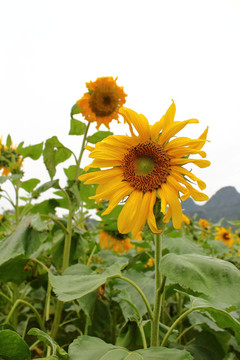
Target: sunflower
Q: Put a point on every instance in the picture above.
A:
(224, 235)
(118, 243)
(10, 161)
(204, 224)
(147, 169)
(102, 102)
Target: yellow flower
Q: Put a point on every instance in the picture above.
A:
(224, 235)
(149, 263)
(118, 244)
(102, 102)
(205, 225)
(146, 168)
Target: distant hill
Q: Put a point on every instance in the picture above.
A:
(225, 203)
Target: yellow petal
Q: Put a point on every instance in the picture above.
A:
(173, 129)
(118, 196)
(163, 201)
(183, 171)
(106, 191)
(142, 214)
(172, 199)
(200, 163)
(183, 151)
(202, 137)
(151, 218)
(103, 176)
(127, 215)
(139, 121)
(100, 163)
(184, 141)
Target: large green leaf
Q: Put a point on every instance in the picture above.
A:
(98, 136)
(181, 245)
(70, 287)
(12, 346)
(32, 151)
(54, 153)
(19, 246)
(30, 184)
(77, 127)
(46, 186)
(131, 303)
(89, 348)
(219, 280)
(223, 319)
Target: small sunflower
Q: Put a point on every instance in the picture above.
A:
(102, 102)
(10, 160)
(204, 224)
(118, 243)
(224, 235)
(147, 168)
(150, 263)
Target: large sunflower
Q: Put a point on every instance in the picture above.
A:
(102, 102)
(147, 168)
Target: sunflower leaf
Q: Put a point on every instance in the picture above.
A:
(217, 279)
(88, 348)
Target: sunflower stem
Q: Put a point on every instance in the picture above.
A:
(159, 288)
(68, 239)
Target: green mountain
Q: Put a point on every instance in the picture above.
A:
(225, 203)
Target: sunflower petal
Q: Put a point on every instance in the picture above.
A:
(139, 121)
(117, 197)
(151, 218)
(172, 199)
(142, 214)
(127, 215)
(173, 129)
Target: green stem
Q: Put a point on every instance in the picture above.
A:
(140, 326)
(139, 291)
(56, 221)
(57, 319)
(81, 151)
(185, 331)
(178, 320)
(67, 242)
(159, 287)
(20, 301)
(17, 204)
(5, 296)
(91, 255)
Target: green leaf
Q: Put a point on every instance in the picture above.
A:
(89, 348)
(98, 136)
(234, 222)
(12, 346)
(46, 186)
(223, 319)
(9, 141)
(3, 179)
(30, 184)
(70, 172)
(42, 336)
(77, 127)
(70, 287)
(131, 303)
(75, 110)
(183, 245)
(46, 207)
(206, 347)
(19, 246)
(32, 151)
(217, 279)
(53, 154)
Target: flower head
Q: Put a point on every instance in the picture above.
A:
(147, 169)
(10, 160)
(102, 102)
(117, 242)
(224, 235)
(204, 224)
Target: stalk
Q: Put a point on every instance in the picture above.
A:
(159, 288)
(67, 242)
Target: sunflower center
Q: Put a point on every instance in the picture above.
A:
(146, 166)
(226, 236)
(104, 100)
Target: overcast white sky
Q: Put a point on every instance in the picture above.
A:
(160, 50)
